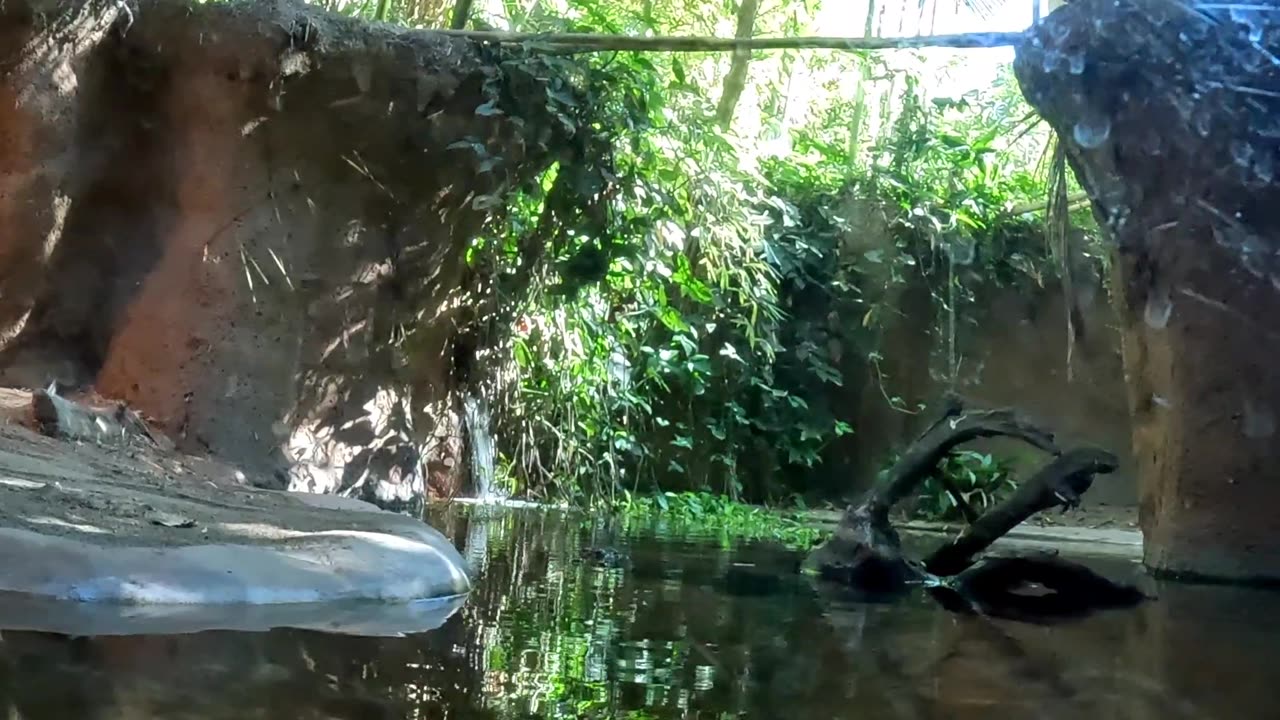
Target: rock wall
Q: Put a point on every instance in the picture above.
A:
(1169, 113)
(247, 221)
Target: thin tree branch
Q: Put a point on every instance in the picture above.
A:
(736, 81)
(596, 42)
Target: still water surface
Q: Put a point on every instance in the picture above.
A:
(672, 628)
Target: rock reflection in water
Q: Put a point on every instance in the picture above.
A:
(682, 629)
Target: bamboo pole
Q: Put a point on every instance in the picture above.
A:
(1035, 206)
(601, 42)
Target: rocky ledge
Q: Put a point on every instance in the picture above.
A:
(103, 537)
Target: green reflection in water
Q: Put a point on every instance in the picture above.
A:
(669, 627)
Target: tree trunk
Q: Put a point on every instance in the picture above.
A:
(736, 80)
(860, 98)
(461, 15)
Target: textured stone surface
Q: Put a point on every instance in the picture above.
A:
(1171, 119)
(134, 538)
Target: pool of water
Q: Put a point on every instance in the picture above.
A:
(671, 627)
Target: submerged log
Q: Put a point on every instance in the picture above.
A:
(1033, 588)
(865, 552)
(1060, 483)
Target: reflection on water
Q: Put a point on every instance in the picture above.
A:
(671, 629)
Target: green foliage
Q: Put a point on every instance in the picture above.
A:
(981, 479)
(649, 347)
(703, 339)
(702, 514)
(681, 308)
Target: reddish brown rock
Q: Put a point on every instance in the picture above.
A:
(245, 220)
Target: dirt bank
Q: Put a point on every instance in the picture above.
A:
(248, 221)
(140, 495)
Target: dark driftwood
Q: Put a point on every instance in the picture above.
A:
(1058, 484)
(865, 552)
(957, 426)
(57, 416)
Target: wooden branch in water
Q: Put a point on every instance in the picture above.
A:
(864, 553)
(603, 42)
(1036, 206)
(956, 426)
(1058, 484)
(865, 550)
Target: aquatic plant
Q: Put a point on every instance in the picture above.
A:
(705, 514)
(966, 482)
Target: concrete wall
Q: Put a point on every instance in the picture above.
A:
(1014, 353)
(1183, 175)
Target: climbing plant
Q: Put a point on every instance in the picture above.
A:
(702, 341)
